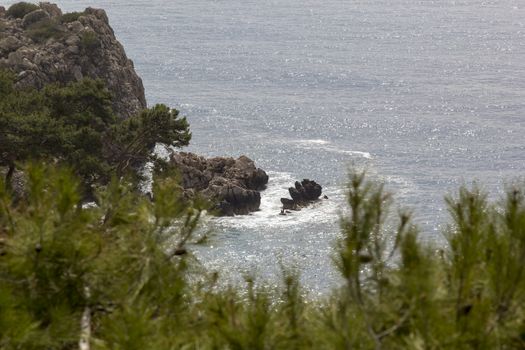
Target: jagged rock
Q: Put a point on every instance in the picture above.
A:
(312, 190)
(233, 184)
(288, 204)
(303, 193)
(18, 183)
(295, 194)
(2, 12)
(52, 9)
(245, 171)
(85, 47)
(9, 44)
(235, 200)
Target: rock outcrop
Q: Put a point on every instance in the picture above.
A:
(233, 184)
(46, 46)
(303, 194)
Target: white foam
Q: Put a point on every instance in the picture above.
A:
(268, 215)
(162, 151)
(366, 155)
(318, 144)
(312, 142)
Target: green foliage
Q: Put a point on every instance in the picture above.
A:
(124, 263)
(20, 9)
(58, 123)
(7, 79)
(60, 259)
(75, 125)
(71, 17)
(467, 297)
(45, 29)
(89, 41)
(133, 139)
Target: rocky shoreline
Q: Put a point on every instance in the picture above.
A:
(42, 45)
(233, 184)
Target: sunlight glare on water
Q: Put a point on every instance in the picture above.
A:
(425, 94)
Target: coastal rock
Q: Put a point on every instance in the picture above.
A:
(231, 198)
(48, 47)
(303, 193)
(10, 44)
(233, 184)
(52, 9)
(288, 204)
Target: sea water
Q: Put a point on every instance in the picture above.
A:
(426, 95)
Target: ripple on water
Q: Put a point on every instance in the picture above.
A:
(261, 241)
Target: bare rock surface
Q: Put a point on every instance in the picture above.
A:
(303, 193)
(46, 46)
(233, 184)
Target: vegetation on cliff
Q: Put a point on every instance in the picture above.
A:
(20, 9)
(42, 46)
(75, 125)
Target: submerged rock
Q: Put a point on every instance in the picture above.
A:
(303, 193)
(46, 46)
(233, 184)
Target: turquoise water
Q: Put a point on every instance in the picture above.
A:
(426, 95)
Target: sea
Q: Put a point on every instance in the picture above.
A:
(425, 95)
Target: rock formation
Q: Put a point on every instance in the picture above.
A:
(304, 193)
(46, 46)
(233, 184)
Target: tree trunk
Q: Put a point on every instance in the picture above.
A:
(85, 326)
(9, 176)
(84, 342)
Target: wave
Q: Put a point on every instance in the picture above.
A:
(316, 144)
(325, 210)
(259, 243)
(312, 142)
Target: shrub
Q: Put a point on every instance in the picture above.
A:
(89, 41)
(71, 17)
(45, 29)
(19, 10)
(7, 79)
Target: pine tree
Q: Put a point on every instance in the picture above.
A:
(75, 125)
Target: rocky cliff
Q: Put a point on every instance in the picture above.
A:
(46, 46)
(42, 45)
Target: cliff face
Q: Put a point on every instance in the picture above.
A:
(42, 45)
(46, 46)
